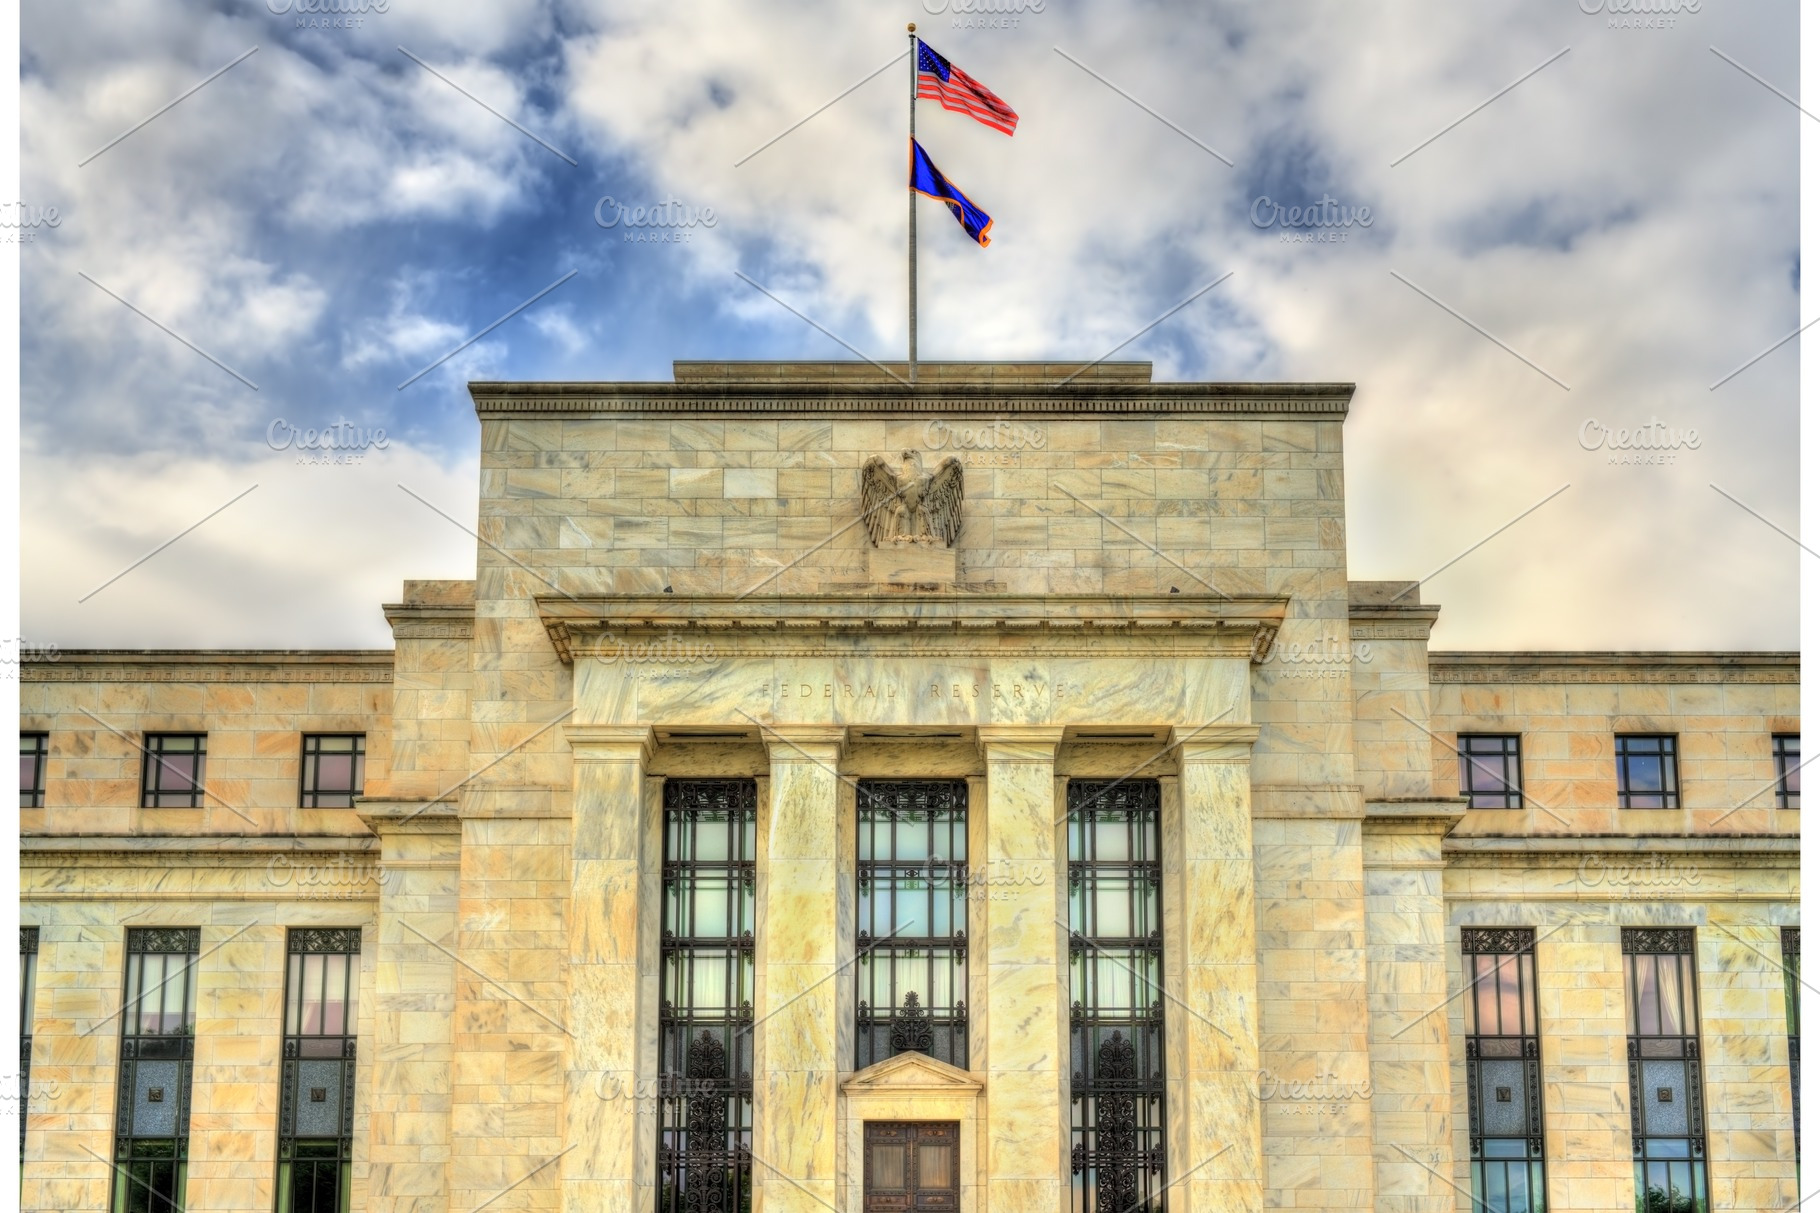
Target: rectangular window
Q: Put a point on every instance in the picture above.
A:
(1787, 749)
(1503, 1070)
(172, 777)
(334, 769)
(157, 1051)
(34, 752)
(1791, 1006)
(1667, 1106)
(28, 994)
(704, 1098)
(1115, 991)
(1647, 777)
(1491, 770)
(912, 967)
(316, 1090)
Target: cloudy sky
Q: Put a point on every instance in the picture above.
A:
(1587, 251)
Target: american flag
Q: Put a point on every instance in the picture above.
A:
(939, 80)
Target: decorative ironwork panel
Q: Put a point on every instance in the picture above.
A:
(1658, 941)
(1497, 941)
(324, 939)
(1667, 1101)
(143, 940)
(1115, 972)
(157, 1058)
(911, 971)
(704, 1096)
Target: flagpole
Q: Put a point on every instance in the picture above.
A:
(912, 194)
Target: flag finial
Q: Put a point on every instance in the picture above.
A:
(913, 27)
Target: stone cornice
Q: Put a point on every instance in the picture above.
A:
(415, 621)
(1057, 390)
(208, 850)
(1778, 850)
(929, 625)
(1568, 667)
(212, 665)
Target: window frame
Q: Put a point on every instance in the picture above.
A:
(1511, 760)
(1785, 753)
(303, 1048)
(1658, 1150)
(155, 796)
(1498, 1047)
(935, 1029)
(310, 764)
(1667, 751)
(40, 754)
(704, 1082)
(28, 989)
(1118, 1122)
(161, 1046)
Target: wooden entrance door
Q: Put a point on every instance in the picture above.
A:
(912, 1166)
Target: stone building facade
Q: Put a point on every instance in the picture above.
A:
(705, 852)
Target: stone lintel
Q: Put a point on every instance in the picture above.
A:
(817, 743)
(1216, 742)
(611, 742)
(438, 816)
(1020, 743)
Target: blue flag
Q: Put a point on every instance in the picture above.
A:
(925, 178)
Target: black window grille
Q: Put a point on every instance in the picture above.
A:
(172, 775)
(1667, 1105)
(1647, 777)
(1115, 979)
(334, 769)
(316, 1089)
(34, 751)
(1503, 1070)
(157, 1053)
(704, 1121)
(1491, 770)
(28, 996)
(1791, 1008)
(912, 964)
(1787, 749)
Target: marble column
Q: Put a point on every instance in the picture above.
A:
(795, 1126)
(600, 1136)
(1218, 1017)
(414, 1005)
(1024, 948)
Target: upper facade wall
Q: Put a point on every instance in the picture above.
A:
(98, 708)
(1106, 486)
(743, 479)
(1567, 709)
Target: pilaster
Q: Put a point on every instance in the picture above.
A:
(600, 1136)
(1218, 1013)
(796, 1139)
(1024, 948)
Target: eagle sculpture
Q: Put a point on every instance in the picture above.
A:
(917, 508)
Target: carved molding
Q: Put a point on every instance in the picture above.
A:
(1063, 397)
(253, 669)
(1165, 625)
(1703, 668)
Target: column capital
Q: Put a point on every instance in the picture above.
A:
(1031, 743)
(817, 743)
(1216, 742)
(611, 742)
